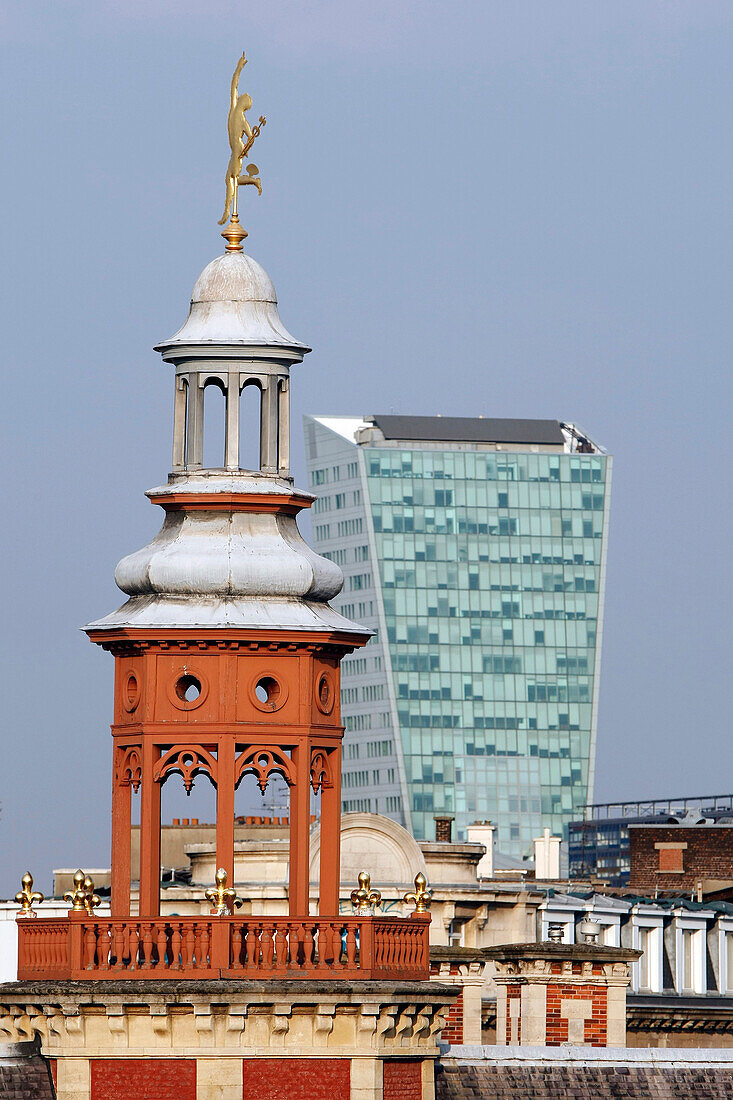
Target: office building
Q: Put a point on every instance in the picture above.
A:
(476, 549)
(599, 845)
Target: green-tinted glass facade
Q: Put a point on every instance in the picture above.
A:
(491, 570)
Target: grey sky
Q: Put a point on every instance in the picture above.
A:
(516, 208)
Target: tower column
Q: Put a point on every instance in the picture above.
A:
(300, 832)
(195, 427)
(149, 837)
(231, 446)
(179, 424)
(268, 426)
(121, 830)
(330, 857)
(225, 779)
(283, 425)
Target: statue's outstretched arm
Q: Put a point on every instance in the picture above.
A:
(235, 79)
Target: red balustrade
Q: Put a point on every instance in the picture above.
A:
(82, 947)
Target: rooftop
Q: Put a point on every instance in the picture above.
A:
(479, 430)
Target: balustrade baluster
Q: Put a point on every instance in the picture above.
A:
(90, 945)
(188, 947)
(161, 942)
(203, 960)
(253, 948)
(118, 946)
(147, 947)
(351, 946)
(132, 943)
(308, 946)
(281, 945)
(268, 947)
(176, 945)
(235, 961)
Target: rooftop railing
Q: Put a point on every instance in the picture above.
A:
(360, 947)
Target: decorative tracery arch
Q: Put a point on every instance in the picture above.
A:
(189, 762)
(321, 775)
(130, 769)
(262, 762)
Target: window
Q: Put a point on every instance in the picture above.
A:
(375, 777)
(393, 804)
(359, 581)
(349, 695)
(335, 471)
(349, 527)
(352, 752)
(319, 477)
(372, 692)
(323, 532)
(645, 936)
(361, 553)
(688, 977)
(323, 504)
(357, 496)
(339, 500)
(352, 470)
(354, 667)
(337, 556)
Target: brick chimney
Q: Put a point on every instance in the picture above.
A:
(443, 829)
(554, 994)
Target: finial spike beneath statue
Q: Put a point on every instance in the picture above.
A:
(242, 137)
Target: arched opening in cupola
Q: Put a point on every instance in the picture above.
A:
(250, 406)
(214, 424)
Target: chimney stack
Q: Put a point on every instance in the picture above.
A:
(443, 829)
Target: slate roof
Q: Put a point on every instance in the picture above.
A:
(24, 1074)
(492, 1082)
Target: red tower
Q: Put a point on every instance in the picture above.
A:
(227, 653)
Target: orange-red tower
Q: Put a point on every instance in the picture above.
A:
(227, 652)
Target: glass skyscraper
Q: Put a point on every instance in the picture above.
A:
(475, 549)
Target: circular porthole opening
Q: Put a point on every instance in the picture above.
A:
(131, 692)
(325, 694)
(188, 688)
(268, 692)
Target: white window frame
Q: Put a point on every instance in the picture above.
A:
(655, 925)
(698, 927)
(725, 943)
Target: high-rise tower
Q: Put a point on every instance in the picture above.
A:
(476, 548)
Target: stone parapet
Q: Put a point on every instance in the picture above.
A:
(86, 1027)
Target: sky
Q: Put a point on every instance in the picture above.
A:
(512, 207)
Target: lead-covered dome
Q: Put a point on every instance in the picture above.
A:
(233, 302)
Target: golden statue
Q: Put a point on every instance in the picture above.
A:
(238, 127)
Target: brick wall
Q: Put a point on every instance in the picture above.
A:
(143, 1079)
(513, 997)
(402, 1080)
(453, 1030)
(707, 853)
(591, 1002)
(297, 1079)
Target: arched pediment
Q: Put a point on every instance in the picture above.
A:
(373, 843)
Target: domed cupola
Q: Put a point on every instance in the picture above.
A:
(230, 552)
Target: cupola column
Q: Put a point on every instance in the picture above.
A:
(231, 445)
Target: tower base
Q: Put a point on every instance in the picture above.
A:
(231, 1040)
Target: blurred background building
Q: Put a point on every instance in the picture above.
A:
(599, 842)
(476, 548)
